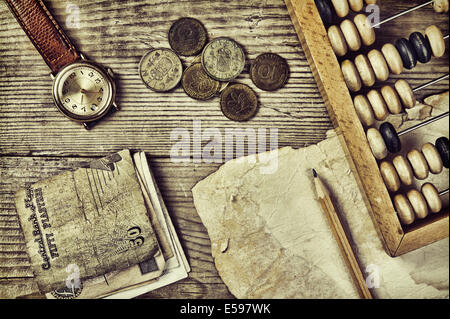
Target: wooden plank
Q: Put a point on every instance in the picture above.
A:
(31, 125)
(37, 142)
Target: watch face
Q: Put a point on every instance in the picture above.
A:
(83, 91)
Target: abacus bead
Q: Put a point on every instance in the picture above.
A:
(406, 93)
(433, 158)
(337, 40)
(351, 35)
(418, 203)
(436, 40)
(421, 46)
(365, 70)
(356, 5)
(364, 110)
(365, 29)
(351, 75)
(404, 209)
(404, 169)
(377, 144)
(378, 105)
(379, 65)
(341, 7)
(418, 164)
(390, 137)
(442, 145)
(325, 11)
(393, 58)
(432, 197)
(390, 176)
(392, 99)
(440, 6)
(407, 53)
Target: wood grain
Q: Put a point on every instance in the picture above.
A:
(36, 141)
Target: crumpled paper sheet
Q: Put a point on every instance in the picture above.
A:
(270, 238)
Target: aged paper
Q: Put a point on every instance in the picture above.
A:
(270, 238)
(167, 266)
(84, 224)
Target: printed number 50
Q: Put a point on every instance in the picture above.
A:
(135, 240)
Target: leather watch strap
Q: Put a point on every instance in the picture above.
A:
(44, 32)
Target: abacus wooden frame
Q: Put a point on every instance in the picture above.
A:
(327, 73)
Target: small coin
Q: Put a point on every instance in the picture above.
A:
(187, 36)
(223, 59)
(161, 70)
(269, 72)
(197, 84)
(238, 102)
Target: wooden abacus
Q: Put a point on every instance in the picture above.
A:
(394, 214)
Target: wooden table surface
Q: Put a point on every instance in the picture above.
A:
(36, 141)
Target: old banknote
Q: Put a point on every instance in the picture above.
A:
(87, 223)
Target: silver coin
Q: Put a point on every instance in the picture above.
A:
(161, 70)
(223, 59)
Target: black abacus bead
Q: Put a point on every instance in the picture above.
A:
(421, 46)
(390, 137)
(407, 53)
(325, 10)
(442, 147)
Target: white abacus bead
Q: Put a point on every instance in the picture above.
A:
(379, 65)
(436, 40)
(356, 5)
(351, 35)
(341, 7)
(365, 29)
(418, 164)
(418, 203)
(440, 6)
(377, 144)
(404, 209)
(351, 76)
(406, 93)
(365, 70)
(379, 106)
(432, 197)
(393, 58)
(404, 170)
(433, 158)
(364, 110)
(392, 99)
(390, 176)
(337, 40)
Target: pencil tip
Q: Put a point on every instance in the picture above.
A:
(314, 173)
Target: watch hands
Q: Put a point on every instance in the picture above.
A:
(83, 91)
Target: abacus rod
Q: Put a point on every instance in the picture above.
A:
(402, 13)
(430, 83)
(433, 119)
(443, 192)
(446, 37)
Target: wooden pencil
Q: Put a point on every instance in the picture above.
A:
(341, 237)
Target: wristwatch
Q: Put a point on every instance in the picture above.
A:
(83, 91)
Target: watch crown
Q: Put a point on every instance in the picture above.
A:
(110, 72)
